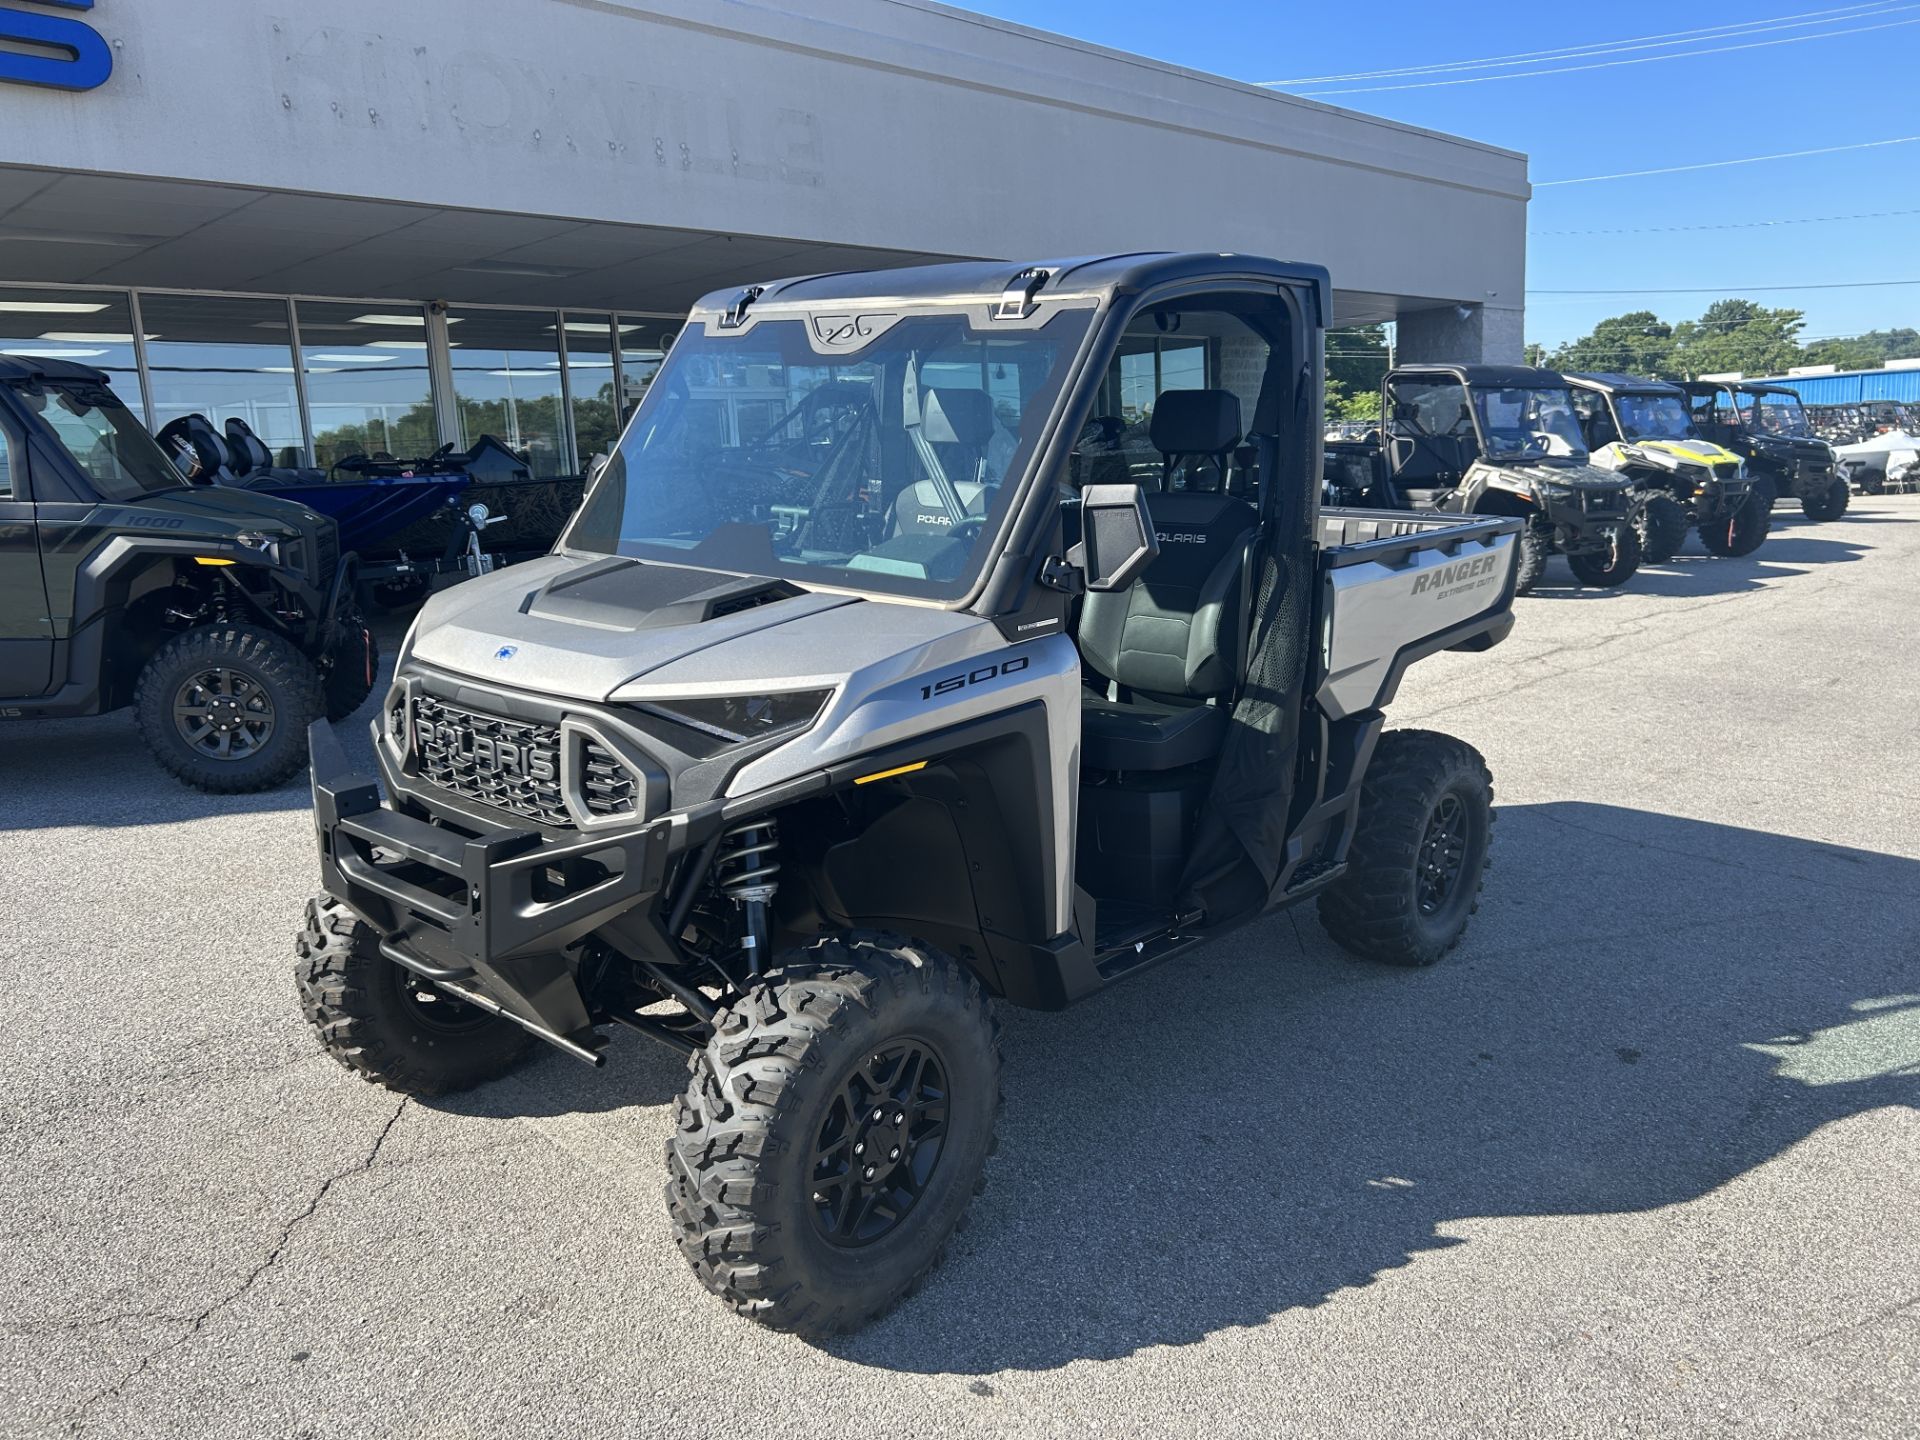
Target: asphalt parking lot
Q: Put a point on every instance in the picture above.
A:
(1641, 1158)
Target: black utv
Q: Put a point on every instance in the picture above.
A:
(223, 616)
(1495, 440)
(1768, 426)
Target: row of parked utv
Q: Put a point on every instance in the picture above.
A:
(1607, 470)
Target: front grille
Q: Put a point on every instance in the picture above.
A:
(512, 765)
(1727, 470)
(1603, 503)
(607, 788)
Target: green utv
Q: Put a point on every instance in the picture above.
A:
(796, 754)
(1768, 426)
(1495, 440)
(1644, 429)
(225, 618)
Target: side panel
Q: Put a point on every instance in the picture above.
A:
(26, 629)
(1387, 598)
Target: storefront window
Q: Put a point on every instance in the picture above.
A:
(368, 387)
(643, 345)
(596, 416)
(506, 379)
(225, 358)
(88, 327)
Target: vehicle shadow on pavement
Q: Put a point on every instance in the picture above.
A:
(1700, 575)
(1268, 1123)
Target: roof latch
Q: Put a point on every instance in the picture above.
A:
(1016, 301)
(737, 311)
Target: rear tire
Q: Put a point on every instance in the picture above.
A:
(1419, 854)
(1662, 527)
(376, 1019)
(1609, 569)
(1829, 504)
(237, 687)
(772, 1207)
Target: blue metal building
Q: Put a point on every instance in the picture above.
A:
(1854, 387)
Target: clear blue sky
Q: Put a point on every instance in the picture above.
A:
(1835, 90)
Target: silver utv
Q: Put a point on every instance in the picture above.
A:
(932, 638)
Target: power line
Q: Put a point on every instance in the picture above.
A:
(1736, 289)
(1722, 164)
(1612, 64)
(1733, 225)
(1831, 15)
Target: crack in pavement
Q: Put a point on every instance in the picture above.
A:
(76, 1419)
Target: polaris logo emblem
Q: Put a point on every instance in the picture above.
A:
(506, 652)
(487, 755)
(1444, 577)
(1180, 537)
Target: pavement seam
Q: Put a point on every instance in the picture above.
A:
(76, 1419)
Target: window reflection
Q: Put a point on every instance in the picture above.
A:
(368, 387)
(643, 345)
(590, 372)
(225, 358)
(506, 380)
(88, 327)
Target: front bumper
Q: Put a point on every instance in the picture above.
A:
(1585, 519)
(488, 908)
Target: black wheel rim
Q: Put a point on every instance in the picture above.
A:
(1443, 855)
(223, 714)
(433, 1009)
(880, 1143)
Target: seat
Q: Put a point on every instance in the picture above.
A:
(252, 463)
(959, 425)
(1194, 428)
(1173, 643)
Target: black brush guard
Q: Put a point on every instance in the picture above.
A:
(485, 915)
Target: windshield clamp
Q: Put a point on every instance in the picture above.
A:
(1064, 576)
(1016, 301)
(737, 311)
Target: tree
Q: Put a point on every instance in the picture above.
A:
(1637, 343)
(1866, 352)
(1738, 335)
(1357, 359)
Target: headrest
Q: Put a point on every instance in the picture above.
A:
(1195, 422)
(956, 417)
(249, 451)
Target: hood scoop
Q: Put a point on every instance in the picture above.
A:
(623, 594)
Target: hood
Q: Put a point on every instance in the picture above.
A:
(1800, 447)
(583, 628)
(1681, 453)
(226, 510)
(1579, 475)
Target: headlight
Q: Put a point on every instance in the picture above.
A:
(1556, 492)
(737, 718)
(265, 546)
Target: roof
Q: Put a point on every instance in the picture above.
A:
(1615, 383)
(35, 367)
(1750, 387)
(1505, 376)
(975, 280)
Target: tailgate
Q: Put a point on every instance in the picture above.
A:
(1396, 587)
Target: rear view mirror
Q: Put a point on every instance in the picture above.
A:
(1116, 536)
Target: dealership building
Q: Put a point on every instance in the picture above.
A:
(368, 226)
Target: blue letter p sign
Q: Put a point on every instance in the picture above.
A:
(52, 50)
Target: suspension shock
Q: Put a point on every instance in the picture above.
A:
(747, 873)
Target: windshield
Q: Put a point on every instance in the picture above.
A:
(885, 468)
(1775, 414)
(1654, 417)
(1528, 421)
(105, 441)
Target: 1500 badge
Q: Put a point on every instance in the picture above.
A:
(980, 676)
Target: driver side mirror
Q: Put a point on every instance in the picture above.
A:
(1116, 537)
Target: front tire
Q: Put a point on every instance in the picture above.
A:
(1662, 528)
(388, 1027)
(1609, 569)
(1743, 531)
(1535, 547)
(225, 708)
(834, 1131)
(1419, 854)
(1829, 504)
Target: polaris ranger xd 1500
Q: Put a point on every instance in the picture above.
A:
(224, 617)
(1768, 426)
(793, 754)
(1496, 440)
(1643, 429)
